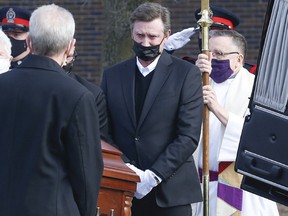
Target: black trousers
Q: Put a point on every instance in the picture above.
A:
(147, 207)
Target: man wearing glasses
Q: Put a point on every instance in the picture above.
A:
(227, 98)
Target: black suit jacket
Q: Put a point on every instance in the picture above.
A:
(169, 126)
(50, 153)
(100, 103)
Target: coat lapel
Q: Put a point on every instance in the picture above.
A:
(160, 75)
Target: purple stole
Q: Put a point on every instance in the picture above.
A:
(229, 194)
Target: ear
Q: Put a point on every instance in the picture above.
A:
(168, 33)
(166, 36)
(71, 47)
(28, 42)
(240, 59)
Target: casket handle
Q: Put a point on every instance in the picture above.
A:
(274, 172)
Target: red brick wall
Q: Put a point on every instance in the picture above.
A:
(89, 20)
(90, 24)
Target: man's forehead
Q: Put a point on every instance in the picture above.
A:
(218, 40)
(153, 27)
(156, 24)
(221, 38)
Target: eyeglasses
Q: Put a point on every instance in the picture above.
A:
(219, 54)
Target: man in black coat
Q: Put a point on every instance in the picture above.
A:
(155, 106)
(50, 152)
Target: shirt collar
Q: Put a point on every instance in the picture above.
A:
(146, 70)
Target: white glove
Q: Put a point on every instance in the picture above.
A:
(147, 181)
(179, 39)
(139, 172)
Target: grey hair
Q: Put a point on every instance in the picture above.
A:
(6, 43)
(51, 29)
(149, 11)
(238, 39)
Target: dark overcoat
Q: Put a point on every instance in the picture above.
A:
(50, 153)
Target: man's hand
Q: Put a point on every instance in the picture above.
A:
(147, 181)
(210, 99)
(203, 63)
(179, 39)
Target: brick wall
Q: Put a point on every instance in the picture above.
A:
(89, 20)
(90, 25)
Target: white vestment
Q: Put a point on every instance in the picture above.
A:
(233, 95)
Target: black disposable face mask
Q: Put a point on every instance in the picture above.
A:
(68, 67)
(18, 46)
(146, 53)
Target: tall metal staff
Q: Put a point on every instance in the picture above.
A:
(205, 21)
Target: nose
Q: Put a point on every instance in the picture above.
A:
(145, 42)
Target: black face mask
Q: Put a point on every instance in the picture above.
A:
(146, 53)
(68, 67)
(18, 47)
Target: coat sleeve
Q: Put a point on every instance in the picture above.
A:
(103, 117)
(84, 154)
